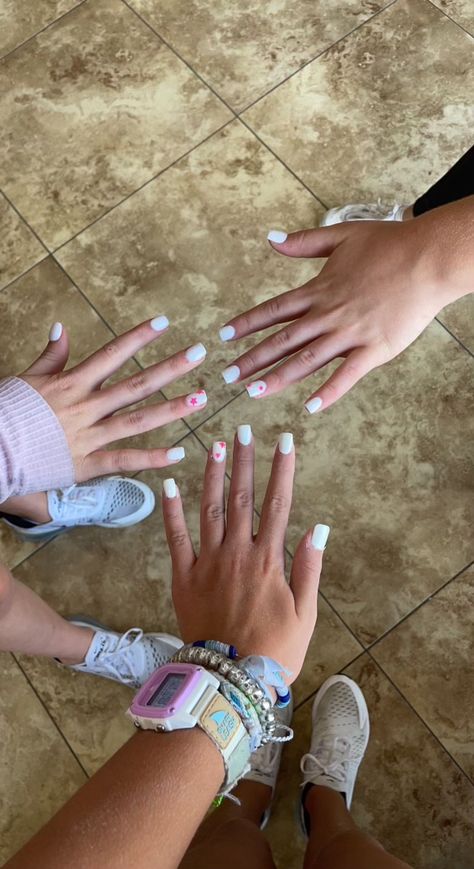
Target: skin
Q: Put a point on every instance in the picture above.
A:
(382, 284)
(88, 410)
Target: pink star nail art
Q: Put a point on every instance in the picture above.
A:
(197, 399)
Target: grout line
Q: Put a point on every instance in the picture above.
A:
(42, 30)
(23, 274)
(23, 219)
(454, 336)
(50, 716)
(317, 56)
(340, 671)
(425, 600)
(420, 718)
(450, 18)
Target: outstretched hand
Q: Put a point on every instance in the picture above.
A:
(235, 589)
(87, 410)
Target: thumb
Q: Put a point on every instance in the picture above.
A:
(306, 570)
(308, 242)
(55, 355)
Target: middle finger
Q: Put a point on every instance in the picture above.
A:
(241, 493)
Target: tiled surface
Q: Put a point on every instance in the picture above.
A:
(90, 110)
(380, 79)
(429, 658)
(89, 117)
(32, 788)
(21, 19)
(19, 249)
(242, 50)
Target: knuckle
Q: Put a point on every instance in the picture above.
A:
(136, 418)
(177, 538)
(121, 461)
(242, 499)
(278, 502)
(136, 383)
(282, 338)
(274, 306)
(214, 512)
(111, 350)
(307, 357)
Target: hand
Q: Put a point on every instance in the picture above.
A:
(381, 286)
(85, 408)
(235, 590)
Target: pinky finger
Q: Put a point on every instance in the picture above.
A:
(354, 368)
(177, 534)
(306, 571)
(102, 462)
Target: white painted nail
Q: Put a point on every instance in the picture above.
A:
(176, 454)
(56, 331)
(197, 399)
(256, 389)
(244, 435)
(313, 405)
(219, 450)
(226, 333)
(285, 443)
(277, 236)
(231, 374)
(196, 353)
(319, 537)
(159, 323)
(170, 488)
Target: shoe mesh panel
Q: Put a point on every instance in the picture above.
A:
(126, 499)
(339, 707)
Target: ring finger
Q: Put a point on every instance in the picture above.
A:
(303, 363)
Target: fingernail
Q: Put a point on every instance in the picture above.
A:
(159, 323)
(319, 537)
(196, 399)
(176, 454)
(277, 236)
(170, 488)
(285, 443)
(219, 450)
(231, 374)
(226, 333)
(195, 353)
(244, 435)
(56, 331)
(313, 405)
(257, 388)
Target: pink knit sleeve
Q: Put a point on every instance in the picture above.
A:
(34, 453)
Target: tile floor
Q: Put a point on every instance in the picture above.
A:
(145, 149)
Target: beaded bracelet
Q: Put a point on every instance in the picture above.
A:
(232, 673)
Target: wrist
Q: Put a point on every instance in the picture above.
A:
(445, 239)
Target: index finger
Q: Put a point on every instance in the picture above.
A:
(104, 362)
(280, 309)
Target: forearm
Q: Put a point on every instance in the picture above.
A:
(446, 240)
(141, 809)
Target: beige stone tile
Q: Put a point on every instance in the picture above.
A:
(19, 249)
(382, 113)
(20, 19)
(32, 788)
(388, 467)
(244, 49)
(459, 319)
(193, 245)
(461, 11)
(124, 579)
(429, 657)
(409, 794)
(91, 109)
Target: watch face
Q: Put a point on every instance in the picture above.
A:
(167, 690)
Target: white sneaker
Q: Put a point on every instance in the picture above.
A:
(339, 738)
(110, 502)
(361, 211)
(129, 658)
(266, 760)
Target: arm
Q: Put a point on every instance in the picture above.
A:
(382, 284)
(141, 809)
(144, 806)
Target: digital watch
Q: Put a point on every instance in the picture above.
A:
(181, 696)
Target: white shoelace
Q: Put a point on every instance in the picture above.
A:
(87, 499)
(122, 669)
(339, 753)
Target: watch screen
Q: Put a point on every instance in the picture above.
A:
(168, 688)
